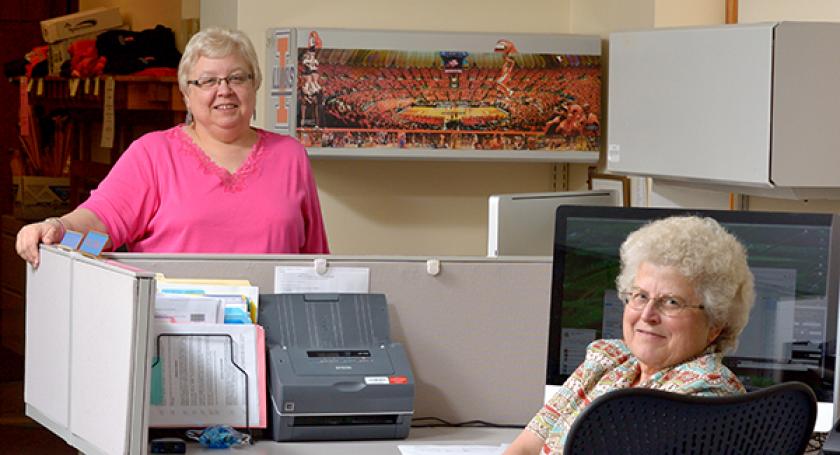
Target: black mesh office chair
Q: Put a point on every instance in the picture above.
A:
(776, 420)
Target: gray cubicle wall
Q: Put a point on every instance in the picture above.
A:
(475, 333)
(87, 351)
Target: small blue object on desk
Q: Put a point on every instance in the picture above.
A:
(93, 243)
(219, 437)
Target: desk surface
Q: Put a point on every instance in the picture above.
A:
(429, 436)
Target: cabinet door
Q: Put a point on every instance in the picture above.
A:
(805, 94)
(692, 103)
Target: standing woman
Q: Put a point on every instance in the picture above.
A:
(212, 185)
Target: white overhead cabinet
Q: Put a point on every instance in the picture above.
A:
(750, 107)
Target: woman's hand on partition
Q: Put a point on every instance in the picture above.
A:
(48, 232)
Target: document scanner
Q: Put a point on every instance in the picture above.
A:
(333, 371)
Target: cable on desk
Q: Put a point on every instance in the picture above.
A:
(435, 422)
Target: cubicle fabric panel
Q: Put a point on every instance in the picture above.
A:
(475, 334)
(87, 351)
(47, 360)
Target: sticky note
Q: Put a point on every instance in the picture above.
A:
(71, 239)
(93, 243)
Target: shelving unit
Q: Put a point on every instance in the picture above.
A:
(141, 104)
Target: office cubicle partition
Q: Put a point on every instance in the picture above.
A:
(87, 346)
(475, 333)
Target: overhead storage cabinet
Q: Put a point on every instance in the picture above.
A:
(753, 106)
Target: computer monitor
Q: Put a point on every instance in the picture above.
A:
(792, 331)
(522, 224)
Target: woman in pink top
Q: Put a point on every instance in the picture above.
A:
(213, 185)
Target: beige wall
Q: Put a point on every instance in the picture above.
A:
(796, 10)
(684, 13)
(143, 14)
(601, 17)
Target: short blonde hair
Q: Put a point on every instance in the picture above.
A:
(218, 43)
(711, 258)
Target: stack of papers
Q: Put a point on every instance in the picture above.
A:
(208, 366)
(187, 308)
(238, 299)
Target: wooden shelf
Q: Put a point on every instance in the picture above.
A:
(133, 93)
(141, 104)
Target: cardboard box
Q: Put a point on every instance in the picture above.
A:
(47, 191)
(81, 23)
(39, 197)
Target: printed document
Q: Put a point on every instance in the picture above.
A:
(299, 280)
(194, 382)
(212, 288)
(185, 308)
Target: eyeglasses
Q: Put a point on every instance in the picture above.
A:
(667, 305)
(208, 82)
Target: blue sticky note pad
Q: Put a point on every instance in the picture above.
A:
(71, 239)
(93, 243)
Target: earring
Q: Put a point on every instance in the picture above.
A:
(188, 119)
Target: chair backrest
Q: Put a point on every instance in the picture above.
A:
(775, 420)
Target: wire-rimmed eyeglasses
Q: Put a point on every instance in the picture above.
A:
(208, 82)
(667, 305)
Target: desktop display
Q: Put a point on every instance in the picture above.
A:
(791, 334)
(522, 224)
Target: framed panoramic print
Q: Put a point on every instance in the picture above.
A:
(348, 91)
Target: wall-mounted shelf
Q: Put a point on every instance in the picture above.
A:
(576, 157)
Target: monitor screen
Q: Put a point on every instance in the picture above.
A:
(791, 333)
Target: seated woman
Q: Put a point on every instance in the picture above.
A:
(687, 293)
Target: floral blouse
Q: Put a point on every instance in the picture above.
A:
(609, 365)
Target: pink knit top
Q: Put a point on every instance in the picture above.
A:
(164, 194)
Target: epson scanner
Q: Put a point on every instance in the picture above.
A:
(333, 371)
